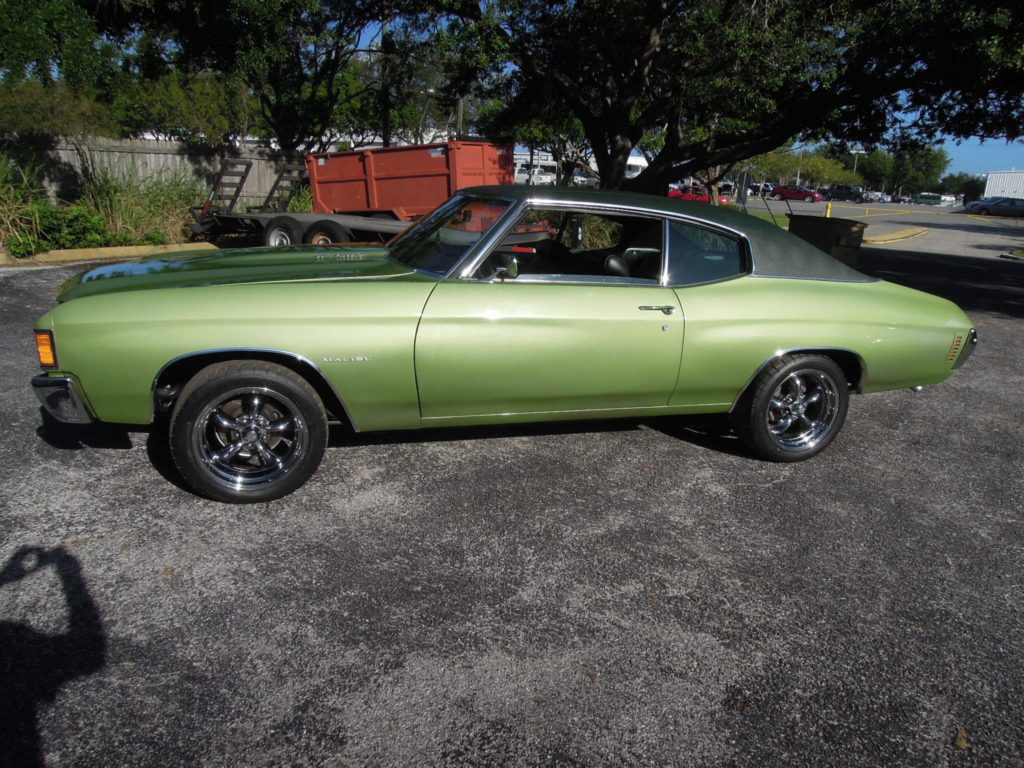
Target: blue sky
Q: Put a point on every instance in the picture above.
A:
(975, 156)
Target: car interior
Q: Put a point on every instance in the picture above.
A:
(579, 246)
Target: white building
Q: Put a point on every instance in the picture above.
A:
(1005, 184)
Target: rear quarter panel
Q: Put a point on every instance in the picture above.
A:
(734, 327)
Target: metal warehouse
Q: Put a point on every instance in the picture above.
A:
(1005, 184)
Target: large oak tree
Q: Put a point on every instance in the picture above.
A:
(725, 80)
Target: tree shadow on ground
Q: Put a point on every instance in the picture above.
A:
(972, 282)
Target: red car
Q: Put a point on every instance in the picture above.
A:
(793, 192)
(698, 194)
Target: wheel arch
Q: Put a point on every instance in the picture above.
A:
(176, 373)
(851, 364)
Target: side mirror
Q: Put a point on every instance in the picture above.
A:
(509, 268)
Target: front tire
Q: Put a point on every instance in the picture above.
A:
(246, 431)
(778, 197)
(794, 409)
(808, 199)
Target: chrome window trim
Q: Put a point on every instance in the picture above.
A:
(746, 252)
(467, 264)
(244, 350)
(867, 278)
(477, 254)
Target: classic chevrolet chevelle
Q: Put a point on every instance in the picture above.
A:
(506, 304)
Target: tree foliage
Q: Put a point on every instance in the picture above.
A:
(698, 85)
(966, 185)
(724, 80)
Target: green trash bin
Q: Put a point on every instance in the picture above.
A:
(840, 238)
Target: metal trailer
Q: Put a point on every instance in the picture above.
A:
(361, 195)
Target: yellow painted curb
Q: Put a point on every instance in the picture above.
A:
(897, 237)
(98, 254)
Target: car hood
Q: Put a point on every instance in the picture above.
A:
(242, 265)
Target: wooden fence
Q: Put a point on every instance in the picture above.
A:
(61, 161)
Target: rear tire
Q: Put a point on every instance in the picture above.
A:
(281, 231)
(245, 431)
(794, 409)
(326, 232)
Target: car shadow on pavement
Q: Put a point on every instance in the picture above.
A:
(74, 437)
(158, 451)
(35, 665)
(974, 283)
(711, 432)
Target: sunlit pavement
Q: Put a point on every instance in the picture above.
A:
(618, 593)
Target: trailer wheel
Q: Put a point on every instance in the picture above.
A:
(326, 232)
(282, 230)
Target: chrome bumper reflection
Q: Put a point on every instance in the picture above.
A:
(61, 400)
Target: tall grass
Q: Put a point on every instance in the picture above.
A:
(19, 194)
(115, 208)
(137, 210)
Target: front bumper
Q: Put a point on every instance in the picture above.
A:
(59, 396)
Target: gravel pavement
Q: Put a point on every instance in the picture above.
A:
(602, 594)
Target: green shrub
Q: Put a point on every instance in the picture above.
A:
(302, 200)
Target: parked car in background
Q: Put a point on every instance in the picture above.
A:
(847, 192)
(997, 206)
(506, 304)
(697, 194)
(794, 192)
(900, 199)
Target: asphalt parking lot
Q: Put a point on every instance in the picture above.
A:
(598, 594)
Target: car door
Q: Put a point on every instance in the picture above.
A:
(567, 313)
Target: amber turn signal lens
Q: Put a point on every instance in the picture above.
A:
(44, 346)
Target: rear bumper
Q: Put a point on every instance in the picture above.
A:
(59, 396)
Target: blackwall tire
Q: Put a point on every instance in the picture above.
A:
(794, 409)
(247, 431)
(281, 231)
(326, 232)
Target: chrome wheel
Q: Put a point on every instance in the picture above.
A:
(247, 430)
(794, 408)
(803, 410)
(250, 437)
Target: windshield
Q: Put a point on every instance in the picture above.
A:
(440, 239)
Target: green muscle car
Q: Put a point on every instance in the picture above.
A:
(506, 304)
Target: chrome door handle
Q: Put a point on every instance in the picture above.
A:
(668, 309)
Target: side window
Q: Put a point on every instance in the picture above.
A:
(699, 255)
(557, 245)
